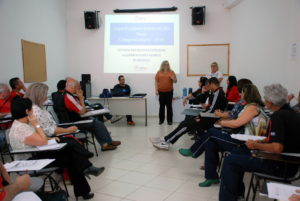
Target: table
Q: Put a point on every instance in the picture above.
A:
(37, 150)
(124, 105)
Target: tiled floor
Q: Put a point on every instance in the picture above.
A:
(136, 171)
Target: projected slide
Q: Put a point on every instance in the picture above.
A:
(139, 43)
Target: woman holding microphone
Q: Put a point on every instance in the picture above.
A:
(164, 80)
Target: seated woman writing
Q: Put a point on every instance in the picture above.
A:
(26, 133)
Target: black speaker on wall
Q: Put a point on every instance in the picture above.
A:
(198, 15)
(91, 19)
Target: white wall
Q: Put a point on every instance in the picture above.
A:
(34, 20)
(261, 37)
(260, 32)
(85, 47)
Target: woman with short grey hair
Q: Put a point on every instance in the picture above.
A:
(276, 94)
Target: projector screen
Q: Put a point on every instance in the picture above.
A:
(139, 43)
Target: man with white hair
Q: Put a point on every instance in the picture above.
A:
(74, 102)
(283, 137)
(5, 100)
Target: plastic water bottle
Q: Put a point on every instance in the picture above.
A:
(184, 92)
(190, 90)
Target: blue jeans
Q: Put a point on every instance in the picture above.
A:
(213, 142)
(221, 138)
(100, 131)
(240, 161)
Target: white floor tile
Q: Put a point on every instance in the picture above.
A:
(119, 189)
(136, 178)
(102, 197)
(192, 188)
(165, 183)
(185, 197)
(113, 173)
(149, 194)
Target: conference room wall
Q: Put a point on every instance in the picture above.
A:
(262, 35)
(34, 20)
(85, 47)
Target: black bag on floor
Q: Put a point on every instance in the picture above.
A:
(53, 196)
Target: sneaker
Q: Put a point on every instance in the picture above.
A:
(161, 122)
(162, 146)
(170, 123)
(186, 152)
(155, 140)
(209, 182)
(131, 123)
(115, 118)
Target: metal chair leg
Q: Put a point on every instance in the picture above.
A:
(250, 187)
(94, 143)
(221, 161)
(255, 188)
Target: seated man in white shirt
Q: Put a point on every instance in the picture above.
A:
(215, 72)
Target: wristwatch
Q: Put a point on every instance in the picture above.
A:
(38, 126)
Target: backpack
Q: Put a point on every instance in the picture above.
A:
(259, 127)
(105, 94)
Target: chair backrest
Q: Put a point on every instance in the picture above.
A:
(60, 108)
(53, 114)
(5, 147)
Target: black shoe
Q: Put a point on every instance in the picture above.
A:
(170, 123)
(93, 171)
(161, 122)
(88, 196)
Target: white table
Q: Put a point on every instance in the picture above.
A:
(124, 105)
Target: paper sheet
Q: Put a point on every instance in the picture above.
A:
(52, 144)
(27, 165)
(281, 191)
(244, 137)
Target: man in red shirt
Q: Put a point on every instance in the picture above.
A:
(16, 86)
(5, 100)
(12, 188)
(74, 102)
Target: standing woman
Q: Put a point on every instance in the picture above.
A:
(164, 80)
